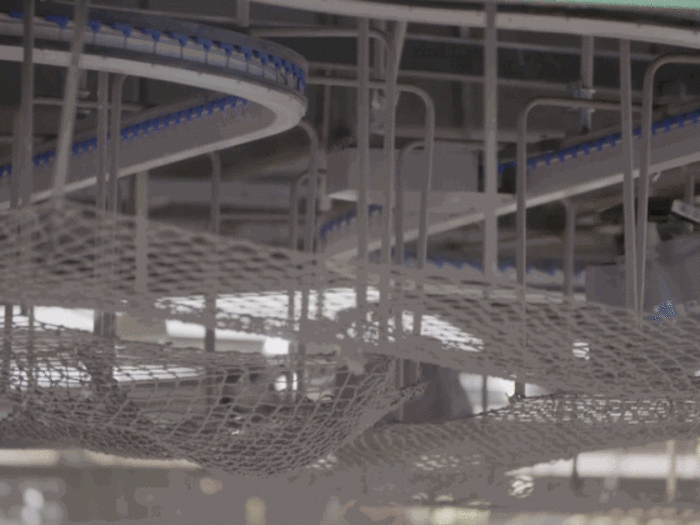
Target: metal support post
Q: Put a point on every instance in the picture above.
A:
(214, 228)
(363, 137)
(569, 247)
(672, 477)
(114, 141)
(689, 196)
(645, 162)
(141, 212)
(243, 13)
(310, 226)
(491, 141)
(70, 97)
(25, 171)
(587, 91)
(392, 60)
(102, 130)
(627, 153)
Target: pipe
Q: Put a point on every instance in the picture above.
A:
(627, 154)
(214, 228)
(491, 143)
(399, 242)
(310, 32)
(322, 32)
(243, 13)
(25, 174)
(569, 247)
(689, 192)
(313, 187)
(474, 79)
(141, 212)
(362, 136)
(430, 139)
(391, 100)
(89, 104)
(645, 161)
(294, 211)
(102, 127)
(69, 102)
(522, 163)
(114, 141)
(523, 21)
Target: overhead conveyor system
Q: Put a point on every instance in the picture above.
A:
(258, 89)
(553, 176)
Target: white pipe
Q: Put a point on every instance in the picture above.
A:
(627, 157)
(569, 247)
(70, 95)
(321, 32)
(522, 164)
(141, 205)
(520, 46)
(312, 192)
(362, 136)
(391, 100)
(399, 243)
(25, 174)
(114, 141)
(243, 13)
(587, 57)
(491, 141)
(430, 139)
(102, 127)
(689, 192)
(530, 22)
(645, 161)
(44, 101)
(474, 79)
(214, 228)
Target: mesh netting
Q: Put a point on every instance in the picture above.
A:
(228, 410)
(597, 360)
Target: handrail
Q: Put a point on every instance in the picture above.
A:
(645, 161)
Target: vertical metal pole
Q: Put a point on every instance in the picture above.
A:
(26, 171)
(70, 96)
(214, 227)
(141, 212)
(363, 137)
(627, 153)
(310, 229)
(569, 247)
(689, 191)
(491, 144)
(427, 182)
(114, 141)
(587, 57)
(243, 13)
(520, 215)
(672, 477)
(389, 148)
(102, 129)
(521, 226)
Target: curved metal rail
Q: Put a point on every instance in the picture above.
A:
(266, 79)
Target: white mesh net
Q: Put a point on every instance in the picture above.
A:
(231, 413)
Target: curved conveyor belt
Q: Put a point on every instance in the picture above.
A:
(259, 89)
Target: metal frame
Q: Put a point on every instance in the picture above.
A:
(522, 164)
(645, 162)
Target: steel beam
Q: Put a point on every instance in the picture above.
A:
(645, 161)
(491, 140)
(70, 97)
(627, 157)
